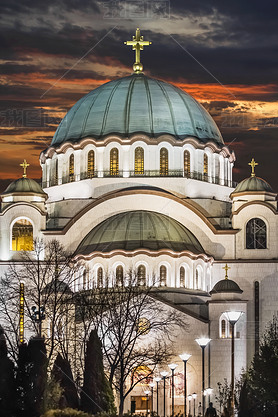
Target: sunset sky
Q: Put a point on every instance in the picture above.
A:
(223, 53)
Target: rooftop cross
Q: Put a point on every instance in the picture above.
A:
(24, 165)
(137, 44)
(226, 267)
(253, 164)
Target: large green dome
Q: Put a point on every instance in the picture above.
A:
(137, 104)
(139, 230)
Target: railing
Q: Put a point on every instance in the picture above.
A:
(194, 175)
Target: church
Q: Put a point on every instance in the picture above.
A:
(138, 177)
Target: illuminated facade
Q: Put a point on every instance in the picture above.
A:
(138, 177)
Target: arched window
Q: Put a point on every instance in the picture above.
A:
(186, 161)
(85, 283)
(197, 279)
(114, 162)
(100, 277)
(223, 329)
(119, 276)
(163, 276)
(139, 161)
(163, 162)
(182, 277)
(91, 164)
(71, 168)
(55, 172)
(141, 275)
(217, 169)
(22, 235)
(205, 165)
(256, 234)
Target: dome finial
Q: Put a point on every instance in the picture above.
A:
(137, 44)
(226, 267)
(253, 164)
(24, 165)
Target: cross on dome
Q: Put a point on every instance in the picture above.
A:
(24, 165)
(226, 267)
(137, 44)
(253, 164)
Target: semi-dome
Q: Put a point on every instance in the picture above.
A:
(137, 104)
(24, 185)
(253, 183)
(139, 230)
(226, 286)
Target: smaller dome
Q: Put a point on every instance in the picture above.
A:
(226, 285)
(56, 286)
(255, 184)
(24, 185)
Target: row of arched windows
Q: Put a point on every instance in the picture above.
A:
(138, 164)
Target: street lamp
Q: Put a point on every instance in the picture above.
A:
(38, 315)
(203, 342)
(209, 392)
(152, 385)
(173, 366)
(233, 317)
(184, 357)
(157, 379)
(147, 392)
(194, 396)
(164, 375)
(189, 399)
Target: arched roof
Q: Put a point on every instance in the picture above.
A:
(137, 104)
(24, 185)
(139, 229)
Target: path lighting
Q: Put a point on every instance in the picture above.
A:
(203, 342)
(173, 366)
(152, 385)
(189, 399)
(157, 379)
(184, 357)
(194, 396)
(233, 317)
(209, 392)
(164, 375)
(147, 393)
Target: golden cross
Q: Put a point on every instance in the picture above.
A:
(226, 267)
(253, 164)
(24, 165)
(137, 44)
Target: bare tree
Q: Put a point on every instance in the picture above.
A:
(48, 273)
(134, 327)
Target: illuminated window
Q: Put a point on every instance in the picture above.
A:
(186, 161)
(163, 162)
(55, 176)
(205, 164)
(114, 162)
(225, 329)
(139, 161)
(163, 276)
(197, 279)
(119, 276)
(182, 277)
(256, 234)
(22, 235)
(142, 275)
(85, 279)
(142, 375)
(91, 164)
(99, 277)
(71, 168)
(143, 326)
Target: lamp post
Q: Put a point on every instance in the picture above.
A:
(203, 342)
(184, 357)
(152, 385)
(194, 396)
(164, 375)
(38, 315)
(173, 366)
(147, 392)
(157, 379)
(209, 392)
(233, 317)
(189, 399)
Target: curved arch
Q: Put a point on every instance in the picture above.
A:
(163, 166)
(71, 168)
(141, 275)
(139, 161)
(114, 162)
(255, 234)
(91, 164)
(163, 276)
(186, 163)
(21, 234)
(100, 282)
(119, 276)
